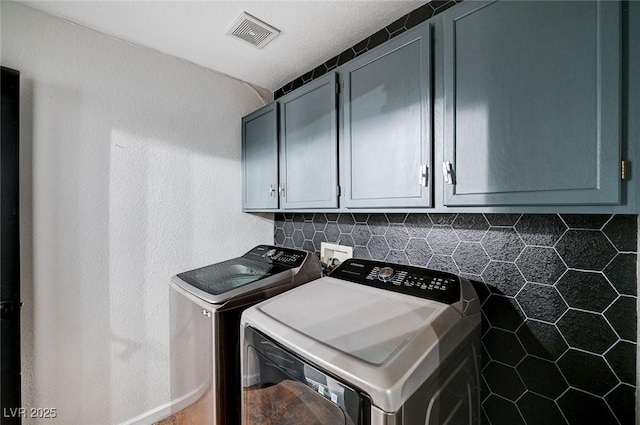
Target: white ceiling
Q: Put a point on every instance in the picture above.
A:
(311, 31)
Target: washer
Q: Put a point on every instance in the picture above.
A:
(205, 308)
(371, 344)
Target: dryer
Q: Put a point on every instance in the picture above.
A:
(371, 344)
(205, 308)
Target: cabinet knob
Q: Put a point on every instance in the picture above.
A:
(272, 190)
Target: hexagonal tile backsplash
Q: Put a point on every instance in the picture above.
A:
(558, 292)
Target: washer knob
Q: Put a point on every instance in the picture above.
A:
(385, 274)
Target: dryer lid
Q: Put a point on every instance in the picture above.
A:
(367, 324)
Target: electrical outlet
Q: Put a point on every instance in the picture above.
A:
(331, 250)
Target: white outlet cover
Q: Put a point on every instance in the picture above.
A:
(331, 250)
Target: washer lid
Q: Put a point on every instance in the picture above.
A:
(264, 266)
(385, 343)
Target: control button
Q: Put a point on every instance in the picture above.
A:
(385, 274)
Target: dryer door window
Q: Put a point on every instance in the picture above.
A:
(281, 389)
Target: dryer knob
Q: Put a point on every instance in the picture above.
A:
(385, 274)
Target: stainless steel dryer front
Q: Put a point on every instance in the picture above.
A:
(371, 344)
(205, 306)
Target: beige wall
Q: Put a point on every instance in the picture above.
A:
(130, 172)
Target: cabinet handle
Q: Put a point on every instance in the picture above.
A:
(423, 171)
(272, 190)
(281, 191)
(448, 173)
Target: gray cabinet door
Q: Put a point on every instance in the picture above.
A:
(532, 103)
(309, 146)
(260, 159)
(385, 139)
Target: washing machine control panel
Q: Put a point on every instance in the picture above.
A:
(409, 280)
(277, 255)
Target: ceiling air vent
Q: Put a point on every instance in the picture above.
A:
(253, 31)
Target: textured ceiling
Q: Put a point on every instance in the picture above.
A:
(311, 31)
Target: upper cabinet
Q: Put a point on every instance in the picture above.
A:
(309, 146)
(532, 103)
(385, 137)
(260, 159)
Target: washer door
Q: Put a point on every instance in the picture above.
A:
(280, 389)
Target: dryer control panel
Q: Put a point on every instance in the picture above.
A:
(417, 281)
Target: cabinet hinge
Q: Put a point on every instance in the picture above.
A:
(624, 169)
(337, 88)
(448, 173)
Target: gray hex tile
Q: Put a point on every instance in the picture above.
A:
(585, 249)
(586, 290)
(278, 220)
(501, 409)
(442, 240)
(360, 218)
(621, 272)
(361, 234)
(318, 238)
(503, 380)
(587, 331)
(319, 221)
(418, 225)
(620, 315)
(346, 222)
(544, 411)
(378, 248)
(443, 263)
(581, 408)
(585, 221)
(418, 252)
(502, 219)
(332, 217)
(332, 232)
(308, 230)
(503, 278)
(279, 236)
(541, 302)
(540, 229)
(396, 218)
(378, 224)
(298, 220)
(288, 243)
(622, 231)
(346, 240)
(397, 257)
(288, 228)
(308, 216)
(622, 401)
(470, 227)
(442, 219)
(470, 257)
(288, 216)
(503, 346)
(542, 377)
(599, 380)
(308, 246)
(397, 236)
(361, 252)
(298, 238)
(620, 359)
(502, 243)
(542, 265)
(503, 312)
(542, 339)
